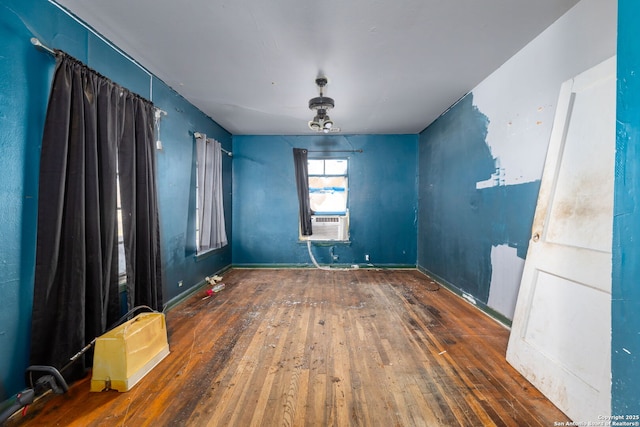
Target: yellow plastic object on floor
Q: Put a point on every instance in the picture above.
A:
(124, 355)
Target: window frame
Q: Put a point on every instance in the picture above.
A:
(330, 175)
(198, 252)
(343, 215)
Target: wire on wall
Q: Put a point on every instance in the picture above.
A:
(100, 36)
(156, 120)
(323, 267)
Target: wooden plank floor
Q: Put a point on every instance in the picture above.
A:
(316, 348)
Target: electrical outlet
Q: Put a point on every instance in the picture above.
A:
(366, 257)
(180, 284)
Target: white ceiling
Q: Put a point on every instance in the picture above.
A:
(393, 65)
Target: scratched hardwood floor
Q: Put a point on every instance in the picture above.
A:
(306, 347)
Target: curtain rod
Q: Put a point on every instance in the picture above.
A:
(38, 44)
(198, 135)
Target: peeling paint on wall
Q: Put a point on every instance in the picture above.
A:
(502, 293)
(465, 208)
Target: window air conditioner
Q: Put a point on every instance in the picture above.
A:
(329, 227)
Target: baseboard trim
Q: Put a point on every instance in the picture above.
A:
(178, 299)
(470, 299)
(364, 266)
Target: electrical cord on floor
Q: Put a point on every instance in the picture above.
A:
(323, 267)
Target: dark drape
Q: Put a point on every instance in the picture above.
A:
(302, 185)
(92, 128)
(138, 196)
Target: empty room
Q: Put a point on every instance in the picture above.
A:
(372, 213)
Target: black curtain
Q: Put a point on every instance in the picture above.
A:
(93, 128)
(302, 184)
(138, 195)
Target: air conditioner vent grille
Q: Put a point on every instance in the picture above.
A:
(329, 228)
(326, 219)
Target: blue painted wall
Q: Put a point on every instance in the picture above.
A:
(25, 78)
(625, 307)
(457, 223)
(176, 186)
(382, 200)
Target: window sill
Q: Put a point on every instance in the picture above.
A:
(325, 242)
(329, 213)
(206, 254)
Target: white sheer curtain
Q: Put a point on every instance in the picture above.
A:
(211, 234)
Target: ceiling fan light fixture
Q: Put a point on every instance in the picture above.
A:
(321, 104)
(314, 125)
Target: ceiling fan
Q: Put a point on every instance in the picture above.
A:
(321, 105)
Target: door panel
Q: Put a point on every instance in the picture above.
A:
(568, 346)
(561, 332)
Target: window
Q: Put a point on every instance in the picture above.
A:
(328, 199)
(198, 249)
(328, 189)
(210, 223)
